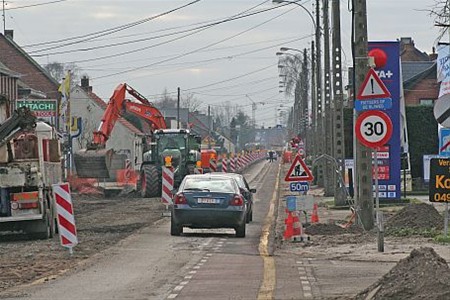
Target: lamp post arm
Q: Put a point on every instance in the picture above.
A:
(300, 5)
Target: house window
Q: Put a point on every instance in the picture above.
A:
(426, 102)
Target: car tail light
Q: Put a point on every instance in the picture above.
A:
(180, 199)
(237, 201)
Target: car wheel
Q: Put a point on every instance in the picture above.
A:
(240, 231)
(175, 229)
(250, 216)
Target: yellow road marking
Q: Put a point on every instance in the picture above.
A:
(269, 280)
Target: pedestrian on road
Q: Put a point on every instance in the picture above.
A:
(271, 156)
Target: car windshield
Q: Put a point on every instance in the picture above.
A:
(223, 185)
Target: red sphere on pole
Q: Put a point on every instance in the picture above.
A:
(380, 57)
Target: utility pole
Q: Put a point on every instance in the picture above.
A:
(319, 134)
(4, 17)
(338, 116)
(304, 94)
(362, 154)
(312, 131)
(209, 126)
(178, 110)
(328, 120)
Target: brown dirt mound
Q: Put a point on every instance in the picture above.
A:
(329, 229)
(416, 216)
(421, 275)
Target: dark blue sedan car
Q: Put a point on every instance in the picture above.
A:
(205, 201)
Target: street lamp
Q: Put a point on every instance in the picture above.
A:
(300, 5)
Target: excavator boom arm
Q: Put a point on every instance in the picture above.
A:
(117, 105)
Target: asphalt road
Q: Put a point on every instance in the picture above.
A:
(201, 264)
(214, 264)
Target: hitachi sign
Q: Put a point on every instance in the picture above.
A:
(38, 105)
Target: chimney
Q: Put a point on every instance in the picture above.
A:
(433, 56)
(85, 84)
(9, 33)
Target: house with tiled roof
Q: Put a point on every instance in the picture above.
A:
(419, 72)
(126, 138)
(32, 80)
(8, 91)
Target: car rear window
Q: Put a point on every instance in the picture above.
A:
(213, 185)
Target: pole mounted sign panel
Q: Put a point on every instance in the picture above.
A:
(299, 171)
(389, 72)
(373, 94)
(441, 110)
(439, 180)
(372, 87)
(373, 128)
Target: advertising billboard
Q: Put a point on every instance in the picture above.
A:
(44, 109)
(390, 74)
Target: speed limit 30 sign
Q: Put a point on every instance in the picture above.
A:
(373, 128)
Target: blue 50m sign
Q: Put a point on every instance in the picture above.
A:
(299, 186)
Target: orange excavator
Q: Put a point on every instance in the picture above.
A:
(95, 160)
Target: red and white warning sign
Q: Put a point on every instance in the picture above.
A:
(66, 219)
(372, 87)
(167, 185)
(299, 171)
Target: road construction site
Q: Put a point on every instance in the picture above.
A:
(334, 263)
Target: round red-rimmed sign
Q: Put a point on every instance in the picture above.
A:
(373, 128)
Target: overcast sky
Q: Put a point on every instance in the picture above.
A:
(231, 62)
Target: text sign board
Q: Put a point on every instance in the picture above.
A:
(299, 186)
(373, 104)
(444, 142)
(302, 202)
(390, 75)
(439, 180)
(40, 108)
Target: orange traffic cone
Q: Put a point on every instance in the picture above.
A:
(315, 215)
(297, 226)
(289, 230)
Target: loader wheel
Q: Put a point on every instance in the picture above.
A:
(151, 181)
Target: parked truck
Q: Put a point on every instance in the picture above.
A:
(29, 165)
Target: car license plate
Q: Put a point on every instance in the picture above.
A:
(208, 201)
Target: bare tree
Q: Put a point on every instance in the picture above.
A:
(59, 70)
(290, 66)
(441, 14)
(167, 101)
(190, 102)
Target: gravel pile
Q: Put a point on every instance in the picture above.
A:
(416, 216)
(421, 275)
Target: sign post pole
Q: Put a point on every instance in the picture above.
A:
(446, 220)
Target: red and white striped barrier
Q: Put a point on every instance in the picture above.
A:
(198, 171)
(65, 216)
(127, 170)
(225, 165)
(232, 165)
(212, 165)
(167, 185)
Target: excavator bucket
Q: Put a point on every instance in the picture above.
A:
(93, 163)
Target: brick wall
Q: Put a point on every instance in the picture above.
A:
(30, 74)
(425, 89)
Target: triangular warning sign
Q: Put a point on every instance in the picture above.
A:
(299, 171)
(372, 87)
